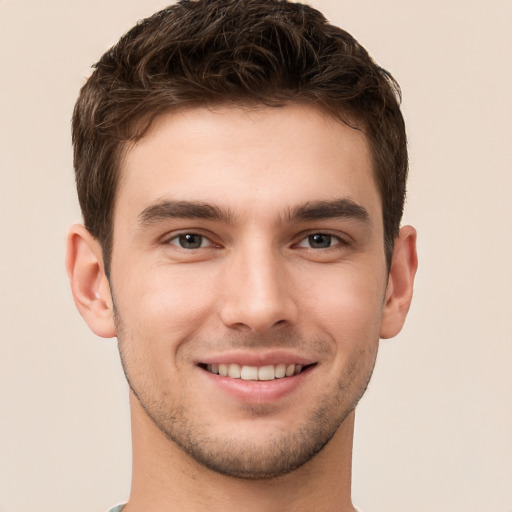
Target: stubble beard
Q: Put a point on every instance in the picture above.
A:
(266, 458)
(260, 459)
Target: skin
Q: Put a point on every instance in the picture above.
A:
(286, 262)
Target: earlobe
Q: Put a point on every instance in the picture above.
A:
(89, 284)
(400, 283)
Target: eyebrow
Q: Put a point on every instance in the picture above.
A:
(312, 210)
(338, 208)
(183, 210)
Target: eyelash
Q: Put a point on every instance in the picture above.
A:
(179, 237)
(177, 240)
(333, 240)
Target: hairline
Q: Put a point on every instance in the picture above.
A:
(143, 126)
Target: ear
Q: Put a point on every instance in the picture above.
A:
(400, 283)
(89, 284)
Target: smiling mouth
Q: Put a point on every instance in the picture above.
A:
(245, 372)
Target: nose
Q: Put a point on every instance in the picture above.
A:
(258, 291)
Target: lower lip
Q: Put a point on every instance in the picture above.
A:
(258, 391)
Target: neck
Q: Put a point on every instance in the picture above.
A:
(165, 478)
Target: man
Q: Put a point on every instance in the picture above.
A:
(241, 168)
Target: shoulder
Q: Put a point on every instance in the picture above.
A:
(117, 508)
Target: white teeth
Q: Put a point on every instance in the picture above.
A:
(249, 373)
(280, 371)
(234, 371)
(268, 372)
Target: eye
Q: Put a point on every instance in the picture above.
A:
(190, 241)
(319, 241)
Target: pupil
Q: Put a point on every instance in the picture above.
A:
(320, 241)
(190, 241)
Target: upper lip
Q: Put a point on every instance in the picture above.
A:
(245, 358)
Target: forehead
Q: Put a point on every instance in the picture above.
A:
(247, 160)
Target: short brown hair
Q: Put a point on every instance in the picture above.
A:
(267, 52)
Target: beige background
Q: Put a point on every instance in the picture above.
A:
(434, 432)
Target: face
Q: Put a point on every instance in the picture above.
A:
(248, 277)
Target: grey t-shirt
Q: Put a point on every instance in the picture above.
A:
(119, 508)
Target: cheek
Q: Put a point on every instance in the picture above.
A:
(348, 303)
(164, 305)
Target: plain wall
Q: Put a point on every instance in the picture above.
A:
(434, 432)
